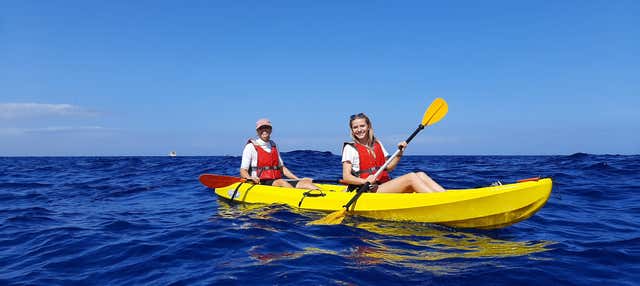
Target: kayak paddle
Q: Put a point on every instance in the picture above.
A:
(436, 111)
(219, 181)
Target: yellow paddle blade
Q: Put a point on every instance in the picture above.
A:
(333, 218)
(436, 111)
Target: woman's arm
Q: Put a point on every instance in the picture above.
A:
(349, 178)
(247, 157)
(244, 173)
(287, 173)
(392, 165)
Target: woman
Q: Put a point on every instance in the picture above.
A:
(363, 157)
(262, 164)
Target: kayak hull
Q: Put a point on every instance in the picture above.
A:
(481, 208)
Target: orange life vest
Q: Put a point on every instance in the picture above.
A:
(369, 164)
(269, 167)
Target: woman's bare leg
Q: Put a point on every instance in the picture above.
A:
(306, 183)
(405, 184)
(281, 183)
(430, 182)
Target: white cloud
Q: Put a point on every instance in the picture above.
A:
(27, 110)
(53, 129)
(10, 131)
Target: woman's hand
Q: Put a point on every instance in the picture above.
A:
(371, 179)
(255, 179)
(402, 145)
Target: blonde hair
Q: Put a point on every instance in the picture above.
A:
(372, 138)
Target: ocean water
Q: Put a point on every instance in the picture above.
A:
(148, 221)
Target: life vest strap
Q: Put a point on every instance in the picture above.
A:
(371, 170)
(267, 168)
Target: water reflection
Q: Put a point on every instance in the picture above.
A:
(257, 211)
(419, 246)
(264, 257)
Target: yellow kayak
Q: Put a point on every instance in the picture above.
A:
(482, 208)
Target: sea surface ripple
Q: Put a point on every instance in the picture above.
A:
(147, 220)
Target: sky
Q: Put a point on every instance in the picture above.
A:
(111, 78)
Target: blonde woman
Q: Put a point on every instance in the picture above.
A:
(364, 156)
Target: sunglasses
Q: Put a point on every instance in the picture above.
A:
(359, 115)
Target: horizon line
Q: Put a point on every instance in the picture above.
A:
(228, 155)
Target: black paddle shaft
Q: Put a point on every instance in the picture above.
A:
(420, 127)
(358, 193)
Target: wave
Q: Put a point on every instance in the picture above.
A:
(147, 220)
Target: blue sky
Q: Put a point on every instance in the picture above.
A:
(149, 77)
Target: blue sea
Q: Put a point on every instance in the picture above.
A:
(148, 221)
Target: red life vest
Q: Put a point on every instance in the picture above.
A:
(368, 164)
(269, 167)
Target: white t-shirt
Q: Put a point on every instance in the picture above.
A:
(250, 155)
(349, 153)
